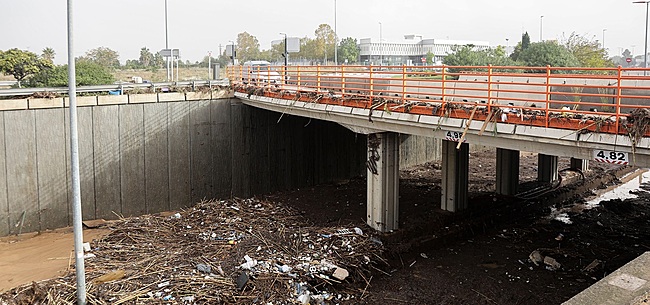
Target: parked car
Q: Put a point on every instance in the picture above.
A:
(260, 71)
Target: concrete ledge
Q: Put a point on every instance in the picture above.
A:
(627, 285)
(171, 97)
(198, 96)
(222, 94)
(18, 104)
(143, 98)
(39, 103)
(82, 101)
(112, 99)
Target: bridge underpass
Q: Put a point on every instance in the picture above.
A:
(585, 114)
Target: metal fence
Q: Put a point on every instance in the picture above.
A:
(595, 99)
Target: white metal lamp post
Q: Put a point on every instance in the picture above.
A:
(645, 49)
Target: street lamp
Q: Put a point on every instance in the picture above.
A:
(209, 65)
(166, 39)
(541, 28)
(604, 30)
(233, 53)
(286, 55)
(645, 50)
(381, 58)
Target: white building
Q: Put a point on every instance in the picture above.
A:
(410, 51)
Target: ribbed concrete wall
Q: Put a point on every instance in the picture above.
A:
(151, 157)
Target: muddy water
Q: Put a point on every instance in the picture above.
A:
(36, 257)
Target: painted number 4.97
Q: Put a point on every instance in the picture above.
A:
(611, 156)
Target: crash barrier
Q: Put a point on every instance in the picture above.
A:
(606, 100)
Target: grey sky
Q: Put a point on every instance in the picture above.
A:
(199, 26)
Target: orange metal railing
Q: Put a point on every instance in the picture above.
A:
(585, 99)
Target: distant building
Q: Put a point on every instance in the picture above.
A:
(410, 51)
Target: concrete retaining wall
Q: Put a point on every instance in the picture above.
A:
(150, 157)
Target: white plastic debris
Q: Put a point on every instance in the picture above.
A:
(86, 247)
(249, 264)
(358, 231)
(340, 274)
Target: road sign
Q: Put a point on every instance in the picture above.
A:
(629, 60)
(424, 60)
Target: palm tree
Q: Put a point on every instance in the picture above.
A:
(48, 54)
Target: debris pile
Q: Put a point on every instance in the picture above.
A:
(234, 252)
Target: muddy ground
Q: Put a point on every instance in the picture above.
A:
(487, 255)
(483, 256)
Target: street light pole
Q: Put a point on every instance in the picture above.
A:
(336, 39)
(77, 217)
(166, 39)
(645, 49)
(286, 55)
(604, 30)
(232, 51)
(507, 45)
(209, 64)
(381, 58)
(541, 28)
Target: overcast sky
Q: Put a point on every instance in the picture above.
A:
(198, 26)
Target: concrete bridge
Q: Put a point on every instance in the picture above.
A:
(586, 114)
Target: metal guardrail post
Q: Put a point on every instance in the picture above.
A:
(318, 78)
(489, 91)
(403, 83)
(444, 84)
(372, 86)
(298, 72)
(342, 81)
(618, 97)
(548, 93)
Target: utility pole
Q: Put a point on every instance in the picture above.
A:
(209, 64)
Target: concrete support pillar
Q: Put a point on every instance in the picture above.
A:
(507, 171)
(582, 165)
(455, 176)
(383, 181)
(547, 168)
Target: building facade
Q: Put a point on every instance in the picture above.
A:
(410, 51)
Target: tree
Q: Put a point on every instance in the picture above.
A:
(248, 48)
(430, 57)
(103, 56)
(325, 41)
(87, 74)
(521, 46)
(588, 52)
(550, 53)
(349, 50)
(627, 53)
(48, 54)
(468, 56)
(146, 57)
(21, 64)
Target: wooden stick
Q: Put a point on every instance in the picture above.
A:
(486, 122)
(471, 117)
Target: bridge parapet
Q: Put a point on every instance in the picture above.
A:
(578, 112)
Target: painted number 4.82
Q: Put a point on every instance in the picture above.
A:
(611, 156)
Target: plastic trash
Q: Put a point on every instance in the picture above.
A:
(203, 268)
